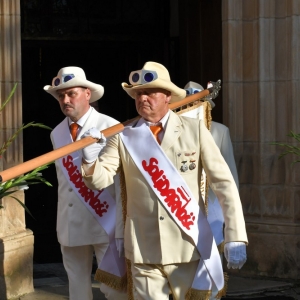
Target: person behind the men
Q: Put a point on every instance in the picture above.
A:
(221, 136)
(167, 238)
(80, 229)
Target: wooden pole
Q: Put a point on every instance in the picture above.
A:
(65, 150)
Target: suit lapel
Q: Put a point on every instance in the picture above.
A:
(90, 122)
(173, 131)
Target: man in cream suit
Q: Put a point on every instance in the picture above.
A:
(221, 136)
(168, 241)
(80, 229)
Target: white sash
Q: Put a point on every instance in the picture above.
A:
(99, 203)
(176, 197)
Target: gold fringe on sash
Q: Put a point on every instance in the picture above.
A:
(206, 196)
(193, 294)
(124, 212)
(130, 286)
(221, 247)
(223, 291)
(207, 120)
(208, 117)
(111, 280)
(123, 194)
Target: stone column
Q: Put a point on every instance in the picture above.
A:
(261, 72)
(16, 243)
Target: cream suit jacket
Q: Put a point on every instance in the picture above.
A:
(222, 138)
(151, 236)
(76, 226)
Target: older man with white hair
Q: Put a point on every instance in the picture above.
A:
(169, 246)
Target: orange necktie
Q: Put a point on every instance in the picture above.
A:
(156, 129)
(73, 130)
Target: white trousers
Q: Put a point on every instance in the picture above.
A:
(156, 282)
(78, 263)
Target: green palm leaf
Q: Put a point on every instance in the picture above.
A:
(34, 177)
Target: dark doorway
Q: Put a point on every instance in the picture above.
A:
(200, 43)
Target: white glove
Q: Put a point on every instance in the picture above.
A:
(120, 246)
(91, 152)
(235, 254)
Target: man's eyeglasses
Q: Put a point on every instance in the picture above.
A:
(191, 91)
(64, 78)
(142, 77)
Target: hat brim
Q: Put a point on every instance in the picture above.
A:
(97, 90)
(176, 92)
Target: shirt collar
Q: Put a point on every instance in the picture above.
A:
(83, 119)
(163, 120)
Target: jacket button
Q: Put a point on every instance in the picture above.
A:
(161, 218)
(70, 189)
(70, 204)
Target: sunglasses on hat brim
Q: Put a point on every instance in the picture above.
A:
(142, 77)
(56, 81)
(191, 91)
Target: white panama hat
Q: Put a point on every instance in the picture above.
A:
(71, 77)
(197, 86)
(159, 78)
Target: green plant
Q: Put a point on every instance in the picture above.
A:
(289, 148)
(21, 182)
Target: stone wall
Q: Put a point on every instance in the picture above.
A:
(261, 71)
